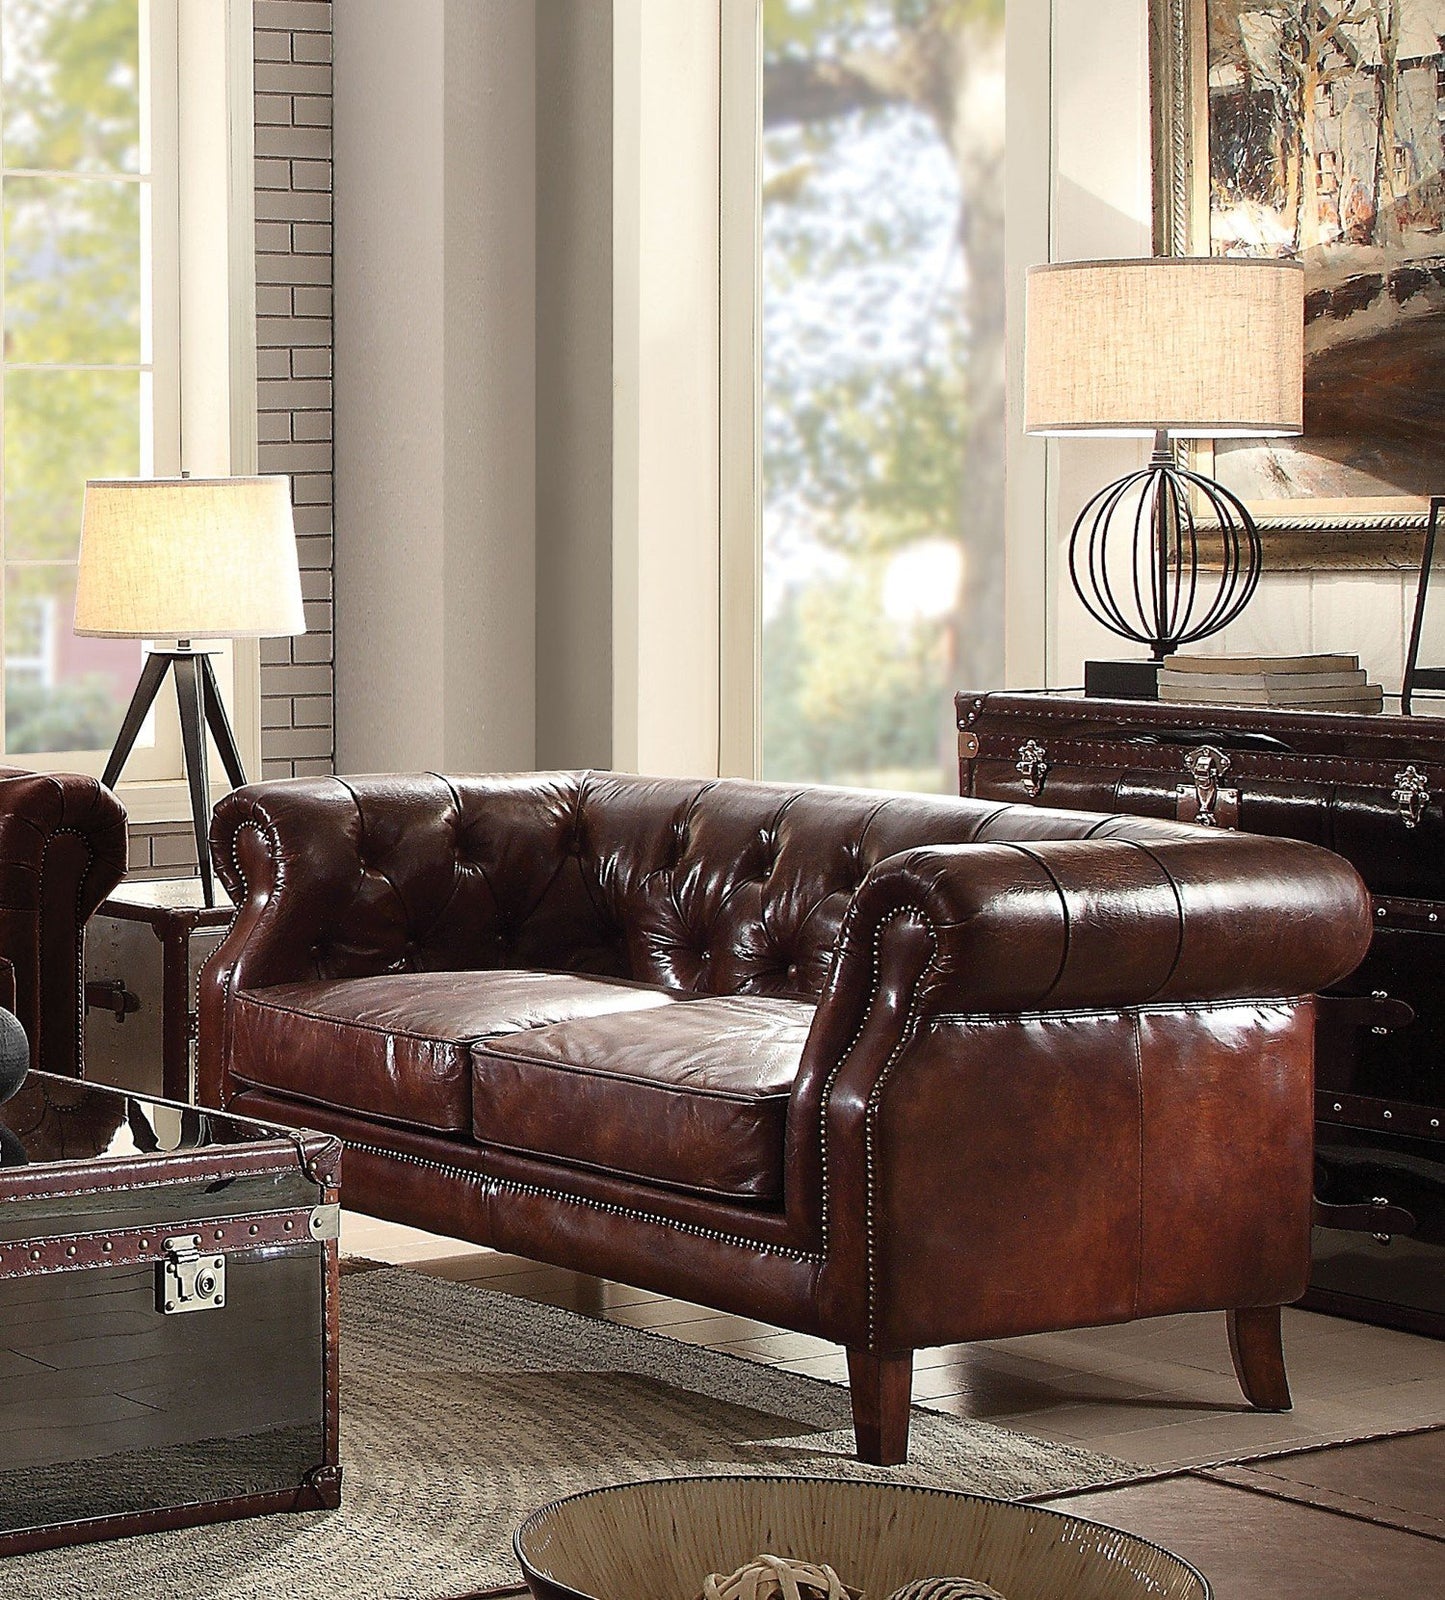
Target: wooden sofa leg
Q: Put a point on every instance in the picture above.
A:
(1256, 1345)
(881, 1389)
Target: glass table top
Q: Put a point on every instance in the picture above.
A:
(52, 1119)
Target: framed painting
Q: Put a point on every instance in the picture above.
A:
(1315, 129)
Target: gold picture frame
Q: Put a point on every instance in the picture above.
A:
(1380, 533)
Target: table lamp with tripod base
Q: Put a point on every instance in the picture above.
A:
(187, 559)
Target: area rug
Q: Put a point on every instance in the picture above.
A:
(464, 1409)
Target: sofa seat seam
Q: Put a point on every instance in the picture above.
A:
(249, 996)
(732, 1097)
(460, 1131)
(707, 1192)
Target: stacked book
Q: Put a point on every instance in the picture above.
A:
(1307, 683)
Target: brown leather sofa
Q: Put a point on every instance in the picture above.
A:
(62, 850)
(897, 1071)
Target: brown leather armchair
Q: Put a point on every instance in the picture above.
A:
(62, 850)
(894, 1070)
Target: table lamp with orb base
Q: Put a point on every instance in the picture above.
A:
(187, 559)
(1168, 348)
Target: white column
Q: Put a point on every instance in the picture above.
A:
(435, 182)
(665, 419)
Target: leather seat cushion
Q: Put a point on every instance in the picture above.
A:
(398, 1046)
(693, 1096)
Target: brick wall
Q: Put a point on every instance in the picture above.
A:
(293, 336)
(293, 333)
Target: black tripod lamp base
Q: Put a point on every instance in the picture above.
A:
(199, 701)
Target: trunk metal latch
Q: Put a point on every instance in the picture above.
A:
(1411, 795)
(188, 1281)
(1032, 767)
(1207, 803)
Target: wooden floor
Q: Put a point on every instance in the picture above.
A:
(1252, 1499)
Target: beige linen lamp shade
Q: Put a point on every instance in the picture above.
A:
(1197, 347)
(188, 558)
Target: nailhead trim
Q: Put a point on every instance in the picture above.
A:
(905, 1038)
(129, 1247)
(193, 1081)
(268, 834)
(537, 1191)
(870, 1120)
(875, 983)
(132, 1187)
(80, 921)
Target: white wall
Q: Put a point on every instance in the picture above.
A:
(1101, 207)
(574, 384)
(389, 320)
(435, 369)
(489, 255)
(527, 384)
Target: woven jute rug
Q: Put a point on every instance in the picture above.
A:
(464, 1409)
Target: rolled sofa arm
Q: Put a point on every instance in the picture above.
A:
(293, 855)
(1106, 923)
(1060, 924)
(287, 853)
(62, 850)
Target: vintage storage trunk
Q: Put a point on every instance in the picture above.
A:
(144, 949)
(1370, 788)
(168, 1317)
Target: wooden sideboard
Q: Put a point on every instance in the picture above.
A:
(1371, 788)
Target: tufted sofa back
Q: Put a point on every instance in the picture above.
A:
(718, 887)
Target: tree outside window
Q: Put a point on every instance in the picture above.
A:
(882, 389)
(77, 358)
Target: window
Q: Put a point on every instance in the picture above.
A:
(881, 261)
(88, 303)
(1403, 169)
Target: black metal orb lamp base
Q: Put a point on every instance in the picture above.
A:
(1148, 569)
(200, 705)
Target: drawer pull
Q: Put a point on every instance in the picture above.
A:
(1033, 767)
(1376, 1215)
(1411, 795)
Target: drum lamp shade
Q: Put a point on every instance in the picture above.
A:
(1197, 347)
(188, 558)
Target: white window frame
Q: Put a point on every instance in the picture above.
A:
(157, 365)
(198, 63)
(665, 329)
(740, 440)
